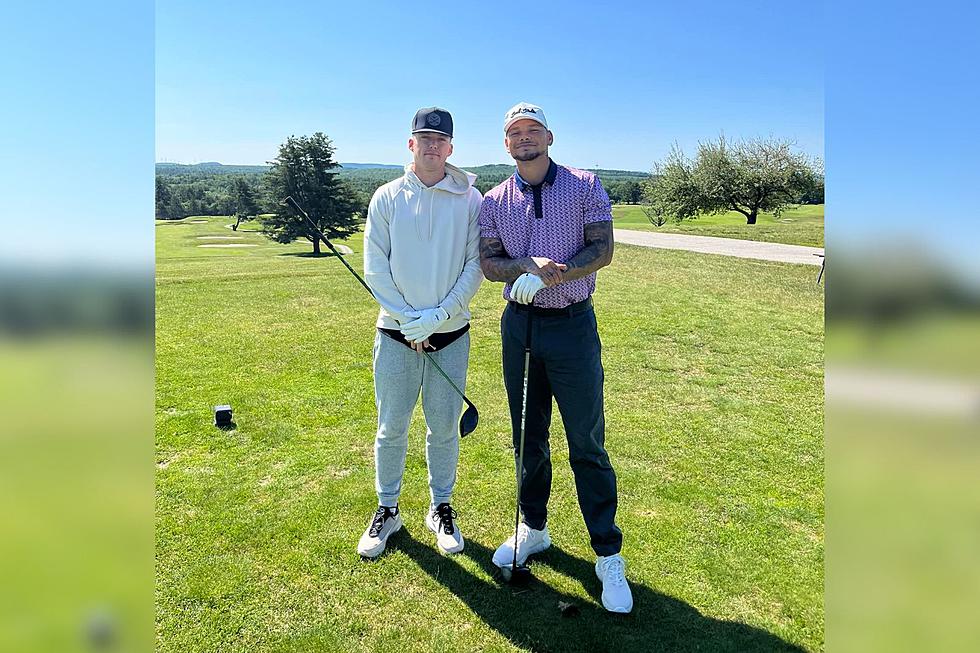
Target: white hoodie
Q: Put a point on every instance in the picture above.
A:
(421, 247)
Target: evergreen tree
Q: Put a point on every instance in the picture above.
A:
(243, 201)
(306, 170)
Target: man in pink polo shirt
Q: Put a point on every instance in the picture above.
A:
(544, 232)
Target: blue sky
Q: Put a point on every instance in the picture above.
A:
(94, 93)
(76, 132)
(902, 151)
(619, 83)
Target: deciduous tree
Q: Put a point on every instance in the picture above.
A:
(746, 176)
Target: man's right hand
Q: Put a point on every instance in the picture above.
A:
(549, 271)
(420, 345)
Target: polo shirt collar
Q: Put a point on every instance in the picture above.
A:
(549, 177)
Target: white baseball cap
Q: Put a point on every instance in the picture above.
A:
(524, 111)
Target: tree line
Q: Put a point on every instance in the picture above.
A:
(215, 189)
(744, 176)
(335, 198)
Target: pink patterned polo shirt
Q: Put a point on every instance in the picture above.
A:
(547, 220)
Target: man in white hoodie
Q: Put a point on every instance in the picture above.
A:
(422, 262)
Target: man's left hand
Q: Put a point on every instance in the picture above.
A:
(526, 287)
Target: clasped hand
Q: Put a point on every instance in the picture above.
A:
(426, 323)
(546, 274)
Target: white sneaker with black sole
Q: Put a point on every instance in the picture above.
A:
(440, 520)
(616, 593)
(529, 542)
(385, 522)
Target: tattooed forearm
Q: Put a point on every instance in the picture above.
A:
(495, 263)
(597, 253)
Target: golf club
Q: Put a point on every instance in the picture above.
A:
(520, 574)
(471, 417)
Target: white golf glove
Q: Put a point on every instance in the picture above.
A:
(526, 287)
(421, 328)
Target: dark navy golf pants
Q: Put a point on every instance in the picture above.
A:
(565, 364)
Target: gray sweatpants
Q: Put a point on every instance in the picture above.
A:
(399, 375)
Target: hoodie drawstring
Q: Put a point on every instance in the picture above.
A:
(418, 205)
(418, 211)
(432, 200)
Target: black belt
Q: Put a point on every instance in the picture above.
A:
(437, 341)
(568, 311)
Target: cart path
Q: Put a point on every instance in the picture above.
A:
(901, 392)
(799, 254)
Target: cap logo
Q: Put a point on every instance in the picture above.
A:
(522, 110)
(433, 119)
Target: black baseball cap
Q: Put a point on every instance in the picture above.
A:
(433, 119)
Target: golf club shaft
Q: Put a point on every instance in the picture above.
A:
(448, 380)
(296, 207)
(520, 448)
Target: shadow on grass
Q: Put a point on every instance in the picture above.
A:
(531, 618)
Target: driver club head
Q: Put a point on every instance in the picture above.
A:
(518, 576)
(469, 420)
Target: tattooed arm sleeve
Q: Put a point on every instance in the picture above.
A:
(597, 253)
(495, 263)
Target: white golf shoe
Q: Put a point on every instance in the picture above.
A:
(616, 593)
(385, 522)
(440, 520)
(529, 542)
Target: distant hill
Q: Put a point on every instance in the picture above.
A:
(504, 170)
(359, 166)
(215, 168)
(495, 170)
(207, 169)
(206, 188)
(487, 176)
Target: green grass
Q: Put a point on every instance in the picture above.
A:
(938, 344)
(714, 399)
(800, 225)
(77, 532)
(893, 465)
